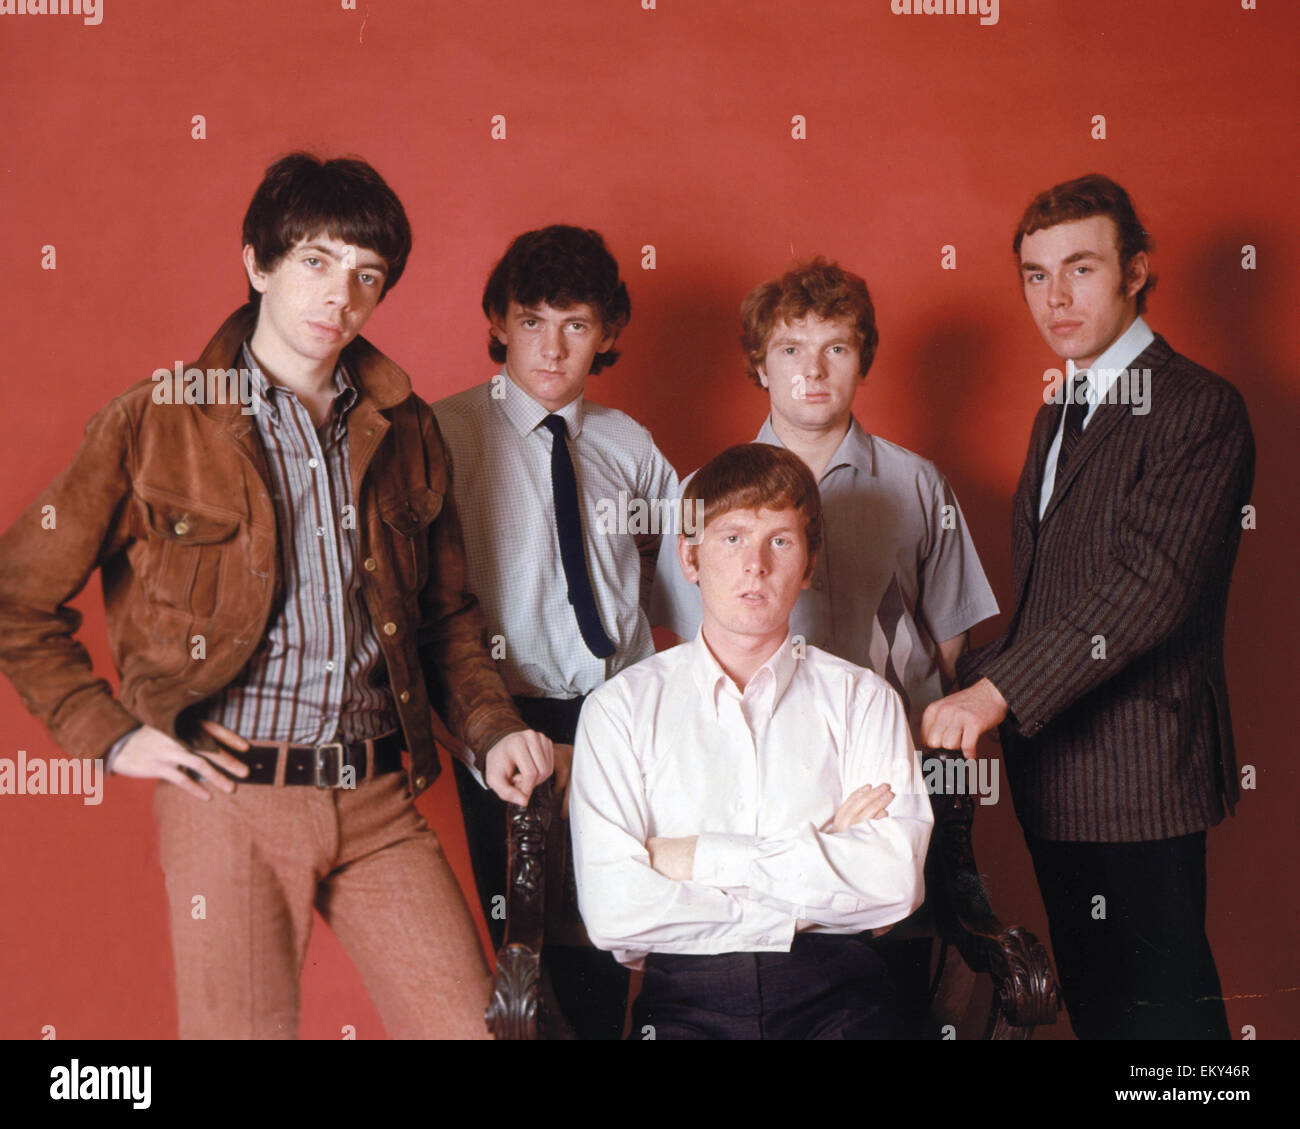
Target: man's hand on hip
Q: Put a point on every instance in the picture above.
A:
(959, 720)
(518, 763)
(150, 753)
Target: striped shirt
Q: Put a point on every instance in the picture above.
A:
(319, 674)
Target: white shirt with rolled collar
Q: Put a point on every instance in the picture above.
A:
(670, 747)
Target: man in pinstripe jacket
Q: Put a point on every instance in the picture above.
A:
(1108, 684)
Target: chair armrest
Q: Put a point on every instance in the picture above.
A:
(1026, 987)
(513, 1010)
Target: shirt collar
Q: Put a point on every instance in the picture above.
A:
(345, 397)
(380, 384)
(768, 684)
(855, 449)
(526, 414)
(1122, 352)
(266, 394)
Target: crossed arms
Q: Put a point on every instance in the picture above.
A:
(833, 866)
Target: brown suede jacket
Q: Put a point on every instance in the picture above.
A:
(171, 503)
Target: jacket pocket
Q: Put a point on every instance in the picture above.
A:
(408, 518)
(1220, 739)
(190, 551)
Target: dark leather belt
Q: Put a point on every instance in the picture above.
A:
(321, 766)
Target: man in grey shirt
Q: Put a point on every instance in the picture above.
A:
(897, 584)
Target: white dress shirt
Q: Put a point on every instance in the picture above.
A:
(1105, 370)
(672, 748)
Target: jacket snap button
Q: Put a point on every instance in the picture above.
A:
(181, 528)
(370, 564)
(419, 781)
(404, 696)
(390, 628)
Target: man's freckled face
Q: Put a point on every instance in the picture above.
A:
(750, 566)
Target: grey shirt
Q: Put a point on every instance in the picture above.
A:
(897, 573)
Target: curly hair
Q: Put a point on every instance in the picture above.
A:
(559, 266)
(815, 286)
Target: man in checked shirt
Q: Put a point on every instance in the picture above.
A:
(285, 595)
(549, 483)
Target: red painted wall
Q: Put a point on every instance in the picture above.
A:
(669, 127)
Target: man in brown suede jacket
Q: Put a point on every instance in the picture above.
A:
(285, 594)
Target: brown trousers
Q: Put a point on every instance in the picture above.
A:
(244, 872)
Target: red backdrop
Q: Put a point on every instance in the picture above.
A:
(669, 126)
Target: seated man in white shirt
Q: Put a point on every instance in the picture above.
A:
(747, 810)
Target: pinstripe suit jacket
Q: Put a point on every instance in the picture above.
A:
(1133, 554)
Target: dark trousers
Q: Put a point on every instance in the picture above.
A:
(590, 985)
(1144, 970)
(828, 986)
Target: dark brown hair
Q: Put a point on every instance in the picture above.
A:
(301, 195)
(1080, 199)
(559, 266)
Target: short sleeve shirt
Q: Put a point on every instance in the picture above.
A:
(897, 573)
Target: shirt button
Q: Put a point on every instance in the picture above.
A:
(370, 564)
(404, 696)
(320, 531)
(181, 528)
(329, 665)
(313, 463)
(390, 628)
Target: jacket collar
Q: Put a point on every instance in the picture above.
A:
(1107, 417)
(379, 381)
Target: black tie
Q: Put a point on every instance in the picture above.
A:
(1074, 413)
(568, 524)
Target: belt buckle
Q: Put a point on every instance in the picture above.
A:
(323, 762)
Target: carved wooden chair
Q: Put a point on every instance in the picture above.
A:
(970, 976)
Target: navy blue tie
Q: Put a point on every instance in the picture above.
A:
(568, 525)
